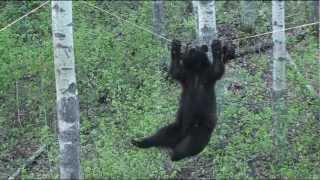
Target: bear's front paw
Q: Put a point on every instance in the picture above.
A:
(175, 47)
(176, 44)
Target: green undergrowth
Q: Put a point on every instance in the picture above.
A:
(124, 93)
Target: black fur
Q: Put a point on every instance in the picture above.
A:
(196, 117)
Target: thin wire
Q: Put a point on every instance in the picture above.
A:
(119, 18)
(169, 40)
(27, 14)
(266, 33)
(147, 30)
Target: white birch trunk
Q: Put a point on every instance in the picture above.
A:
(207, 27)
(313, 6)
(248, 15)
(67, 98)
(158, 17)
(207, 31)
(279, 78)
(316, 6)
(318, 20)
(195, 14)
(159, 27)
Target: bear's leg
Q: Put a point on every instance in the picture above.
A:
(167, 136)
(192, 144)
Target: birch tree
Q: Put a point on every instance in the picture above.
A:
(279, 77)
(159, 28)
(195, 14)
(158, 17)
(316, 4)
(318, 26)
(207, 27)
(248, 15)
(315, 8)
(67, 98)
(207, 31)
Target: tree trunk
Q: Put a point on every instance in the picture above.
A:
(207, 27)
(67, 98)
(159, 27)
(316, 7)
(313, 13)
(317, 12)
(248, 15)
(279, 79)
(207, 31)
(318, 34)
(158, 17)
(195, 14)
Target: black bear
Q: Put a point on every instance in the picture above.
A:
(196, 117)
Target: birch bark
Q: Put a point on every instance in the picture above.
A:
(248, 15)
(279, 79)
(207, 27)
(67, 98)
(207, 31)
(158, 17)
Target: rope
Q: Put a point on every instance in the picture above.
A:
(147, 30)
(133, 24)
(27, 14)
(169, 40)
(270, 32)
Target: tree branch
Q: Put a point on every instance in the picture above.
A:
(28, 162)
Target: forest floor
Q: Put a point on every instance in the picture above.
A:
(242, 136)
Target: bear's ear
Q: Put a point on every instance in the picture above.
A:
(204, 48)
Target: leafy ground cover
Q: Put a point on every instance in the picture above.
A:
(124, 93)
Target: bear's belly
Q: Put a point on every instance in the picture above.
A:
(197, 107)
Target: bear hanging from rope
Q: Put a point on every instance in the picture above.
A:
(196, 117)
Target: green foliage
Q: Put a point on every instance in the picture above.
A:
(124, 94)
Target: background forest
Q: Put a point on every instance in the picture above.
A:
(125, 92)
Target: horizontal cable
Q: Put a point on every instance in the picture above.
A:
(27, 14)
(128, 22)
(271, 32)
(169, 40)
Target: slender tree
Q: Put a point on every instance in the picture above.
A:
(158, 17)
(195, 14)
(313, 8)
(207, 31)
(159, 27)
(316, 5)
(207, 27)
(67, 98)
(317, 12)
(318, 20)
(279, 77)
(248, 15)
